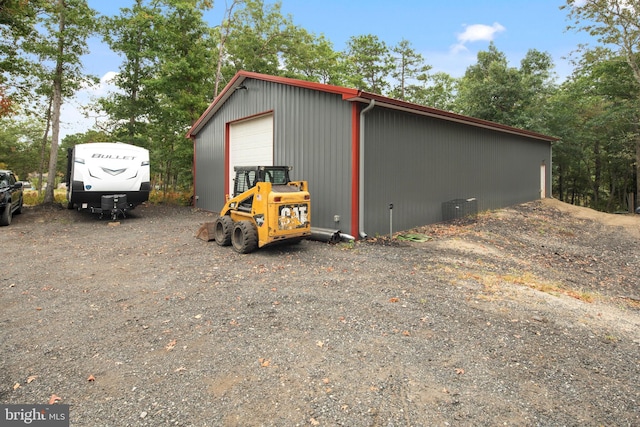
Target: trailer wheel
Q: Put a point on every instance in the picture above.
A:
(223, 229)
(244, 237)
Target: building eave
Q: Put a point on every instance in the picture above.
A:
(241, 76)
(354, 95)
(395, 104)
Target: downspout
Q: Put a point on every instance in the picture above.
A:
(363, 235)
(194, 197)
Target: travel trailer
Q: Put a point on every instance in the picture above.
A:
(107, 177)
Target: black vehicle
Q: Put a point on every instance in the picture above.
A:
(10, 196)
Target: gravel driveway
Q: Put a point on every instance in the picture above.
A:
(529, 316)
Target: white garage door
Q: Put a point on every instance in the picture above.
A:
(250, 144)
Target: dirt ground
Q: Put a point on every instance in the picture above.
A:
(528, 316)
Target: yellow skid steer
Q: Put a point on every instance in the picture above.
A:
(266, 208)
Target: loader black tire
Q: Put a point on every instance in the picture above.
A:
(222, 230)
(244, 237)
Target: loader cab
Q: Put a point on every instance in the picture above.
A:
(248, 176)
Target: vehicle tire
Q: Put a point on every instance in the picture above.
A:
(244, 237)
(19, 210)
(222, 230)
(5, 218)
(69, 203)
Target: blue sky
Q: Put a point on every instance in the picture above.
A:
(448, 34)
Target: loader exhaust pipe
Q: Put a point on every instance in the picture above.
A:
(329, 235)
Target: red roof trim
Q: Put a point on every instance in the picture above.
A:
(355, 95)
(383, 101)
(345, 92)
(242, 75)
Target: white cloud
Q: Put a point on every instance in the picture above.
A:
(476, 32)
(76, 115)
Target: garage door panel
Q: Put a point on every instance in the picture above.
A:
(250, 144)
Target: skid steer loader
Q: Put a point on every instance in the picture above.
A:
(266, 208)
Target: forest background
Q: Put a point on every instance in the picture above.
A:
(174, 63)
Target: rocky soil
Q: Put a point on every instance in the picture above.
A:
(527, 316)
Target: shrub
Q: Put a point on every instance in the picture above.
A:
(181, 198)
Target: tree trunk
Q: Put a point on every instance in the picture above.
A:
(225, 30)
(637, 168)
(560, 184)
(43, 149)
(55, 113)
(597, 175)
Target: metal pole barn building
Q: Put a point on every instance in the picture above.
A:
(369, 159)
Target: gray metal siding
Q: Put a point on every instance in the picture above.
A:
(312, 132)
(418, 163)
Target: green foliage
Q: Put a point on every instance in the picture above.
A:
(369, 63)
(17, 23)
(594, 114)
(34, 198)
(165, 79)
(491, 90)
(616, 25)
(439, 92)
(409, 66)
(132, 35)
(20, 149)
(312, 58)
(263, 31)
(180, 198)
(174, 64)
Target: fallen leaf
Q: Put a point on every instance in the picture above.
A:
(31, 378)
(171, 345)
(16, 386)
(264, 362)
(91, 378)
(394, 299)
(459, 371)
(320, 344)
(406, 333)
(53, 399)
(180, 369)
(325, 380)
(314, 422)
